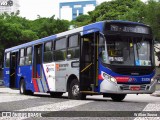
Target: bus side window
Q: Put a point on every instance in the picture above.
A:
(22, 57)
(48, 52)
(73, 47)
(60, 49)
(28, 60)
(7, 58)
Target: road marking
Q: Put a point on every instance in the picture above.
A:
(149, 108)
(14, 97)
(51, 107)
(10, 95)
(152, 107)
(57, 106)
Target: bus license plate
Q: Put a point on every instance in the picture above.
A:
(135, 88)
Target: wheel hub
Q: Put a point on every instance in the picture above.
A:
(75, 90)
(22, 88)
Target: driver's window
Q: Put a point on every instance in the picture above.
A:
(103, 49)
(101, 43)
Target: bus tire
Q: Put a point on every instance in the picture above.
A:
(74, 92)
(118, 97)
(56, 94)
(23, 88)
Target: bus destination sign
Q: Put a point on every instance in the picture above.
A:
(133, 29)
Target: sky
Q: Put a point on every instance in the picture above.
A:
(45, 8)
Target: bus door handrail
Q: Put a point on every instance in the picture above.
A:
(86, 67)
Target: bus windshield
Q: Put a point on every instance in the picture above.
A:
(130, 51)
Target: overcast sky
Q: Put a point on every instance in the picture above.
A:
(45, 8)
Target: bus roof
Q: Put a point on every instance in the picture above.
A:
(84, 29)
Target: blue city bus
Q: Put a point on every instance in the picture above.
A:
(111, 58)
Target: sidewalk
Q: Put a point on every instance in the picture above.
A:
(156, 93)
(7, 90)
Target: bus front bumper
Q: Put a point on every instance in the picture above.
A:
(113, 88)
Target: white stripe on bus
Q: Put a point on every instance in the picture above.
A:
(44, 82)
(70, 32)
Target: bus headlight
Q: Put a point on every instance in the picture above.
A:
(152, 80)
(108, 77)
(113, 79)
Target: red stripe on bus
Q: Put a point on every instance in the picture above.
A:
(34, 82)
(35, 85)
(122, 79)
(100, 77)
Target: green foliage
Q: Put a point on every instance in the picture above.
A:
(52, 26)
(81, 21)
(16, 30)
(136, 13)
(112, 10)
(132, 10)
(152, 17)
(28, 35)
(49, 26)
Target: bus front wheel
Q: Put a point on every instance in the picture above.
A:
(74, 91)
(118, 97)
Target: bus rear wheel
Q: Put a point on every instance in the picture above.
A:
(56, 94)
(74, 91)
(118, 97)
(23, 90)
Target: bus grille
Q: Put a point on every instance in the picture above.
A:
(127, 87)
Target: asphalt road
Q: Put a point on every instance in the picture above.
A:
(94, 107)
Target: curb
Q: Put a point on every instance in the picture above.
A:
(156, 94)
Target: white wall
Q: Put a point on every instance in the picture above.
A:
(88, 8)
(66, 15)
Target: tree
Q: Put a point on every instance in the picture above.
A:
(16, 30)
(53, 26)
(81, 21)
(113, 10)
(136, 13)
(48, 26)
(28, 35)
(152, 17)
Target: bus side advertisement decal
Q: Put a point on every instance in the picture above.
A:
(44, 81)
(49, 72)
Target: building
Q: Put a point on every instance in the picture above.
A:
(9, 6)
(75, 8)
